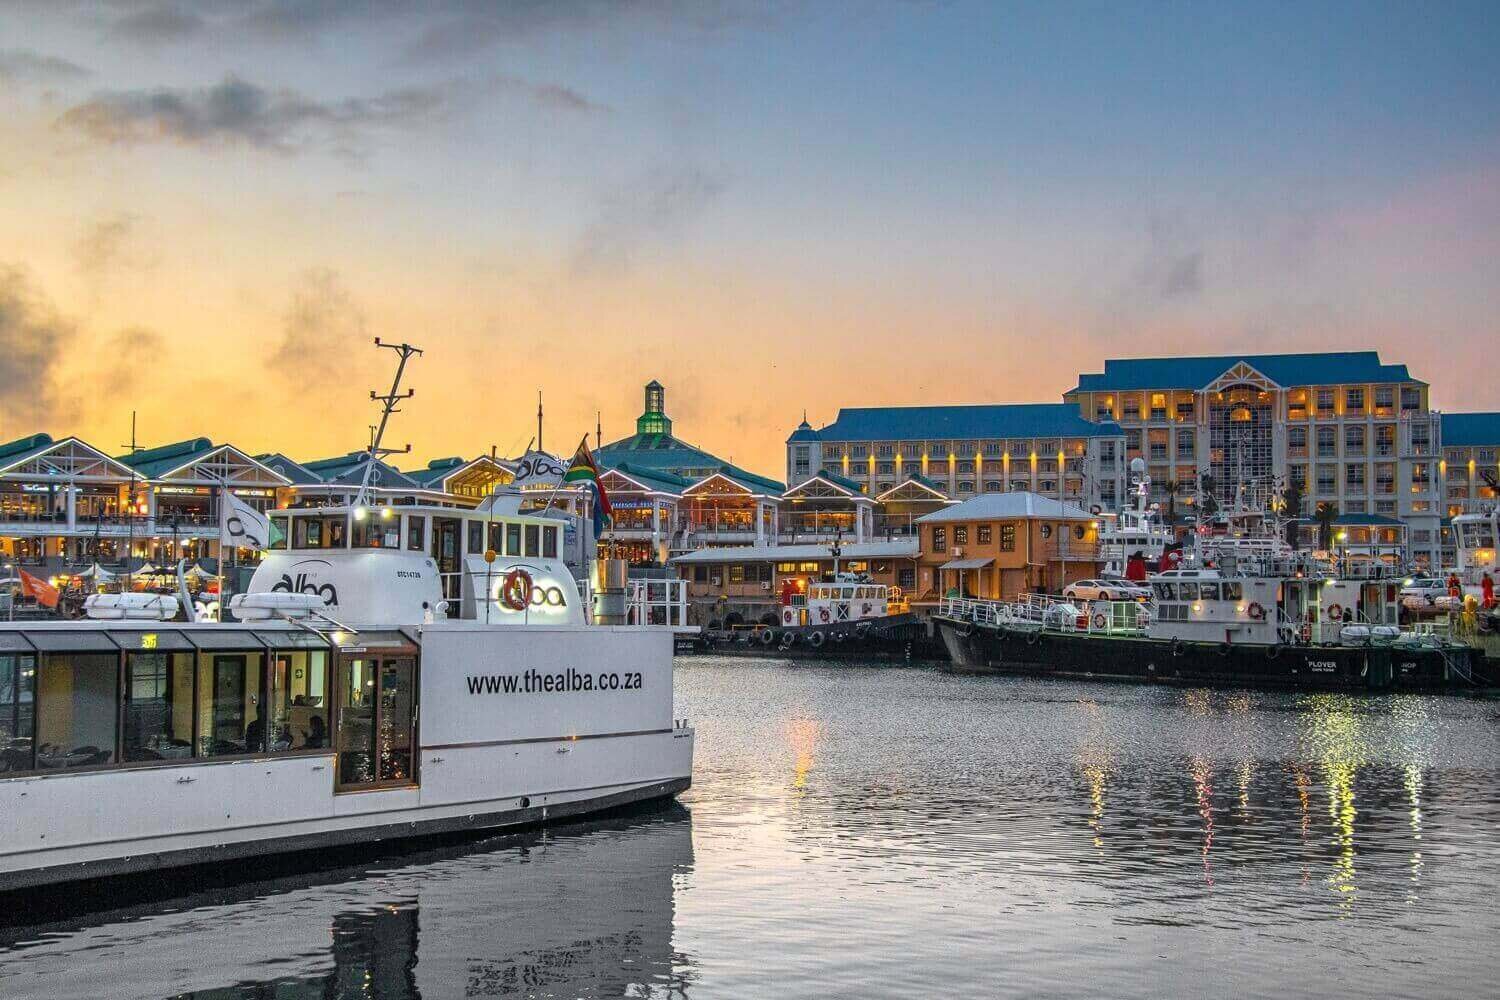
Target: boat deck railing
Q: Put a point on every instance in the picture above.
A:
(1044, 612)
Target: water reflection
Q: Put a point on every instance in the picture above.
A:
(583, 914)
(899, 832)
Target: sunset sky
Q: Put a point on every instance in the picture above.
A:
(208, 210)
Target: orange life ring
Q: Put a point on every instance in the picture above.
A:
(1099, 619)
(1335, 611)
(1256, 612)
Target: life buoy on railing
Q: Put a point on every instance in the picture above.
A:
(1335, 612)
(1256, 612)
(1099, 620)
(824, 616)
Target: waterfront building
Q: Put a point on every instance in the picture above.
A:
(1348, 429)
(1471, 458)
(965, 451)
(825, 508)
(901, 506)
(705, 500)
(740, 586)
(999, 545)
(466, 480)
(645, 503)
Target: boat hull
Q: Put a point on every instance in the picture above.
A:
(979, 649)
(895, 638)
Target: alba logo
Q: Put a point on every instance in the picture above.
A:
(302, 584)
(518, 591)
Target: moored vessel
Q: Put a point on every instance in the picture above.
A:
(395, 671)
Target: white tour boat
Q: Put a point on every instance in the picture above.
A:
(395, 671)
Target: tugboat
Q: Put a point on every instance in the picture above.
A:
(1246, 622)
(1136, 532)
(850, 617)
(395, 671)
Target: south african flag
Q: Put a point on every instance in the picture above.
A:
(583, 469)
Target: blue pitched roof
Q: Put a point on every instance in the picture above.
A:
(1326, 368)
(1011, 420)
(432, 476)
(350, 469)
(654, 478)
(1468, 430)
(804, 432)
(295, 471)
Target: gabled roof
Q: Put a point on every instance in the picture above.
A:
(350, 469)
(747, 481)
(998, 506)
(1009, 420)
(922, 482)
(838, 484)
(22, 446)
(299, 474)
(1326, 368)
(650, 479)
(71, 454)
(1470, 430)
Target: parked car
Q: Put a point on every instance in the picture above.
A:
(1423, 591)
(1106, 590)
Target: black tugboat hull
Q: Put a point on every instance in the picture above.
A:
(977, 649)
(896, 638)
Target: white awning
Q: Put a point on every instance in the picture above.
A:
(966, 564)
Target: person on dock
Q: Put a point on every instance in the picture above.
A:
(1455, 588)
(1487, 592)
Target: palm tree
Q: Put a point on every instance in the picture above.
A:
(1325, 515)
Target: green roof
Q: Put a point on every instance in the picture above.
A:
(437, 469)
(665, 481)
(350, 469)
(22, 446)
(152, 462)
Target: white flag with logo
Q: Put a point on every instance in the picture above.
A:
(537, 468)
(241, 526)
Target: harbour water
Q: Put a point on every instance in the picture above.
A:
(860, 832)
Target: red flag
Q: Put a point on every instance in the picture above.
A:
(35, 586)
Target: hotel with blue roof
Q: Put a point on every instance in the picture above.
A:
(1348, 428)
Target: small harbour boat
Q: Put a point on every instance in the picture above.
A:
(848, 617)
(394, 671)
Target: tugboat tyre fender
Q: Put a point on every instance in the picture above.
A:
(1032, 638)
(816, 640)
(1224, 649)
(1273, 652)
(1176, 646)
(768, 637)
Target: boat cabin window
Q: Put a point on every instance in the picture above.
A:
(281, 533)
(1166, 591)
(533, 540)
(231, 701)
(382, 532)
(1234, 590)
(416, 532)
(17, 703)
(319, 532)
(474, 542)
(512, 539)
(299, 700)
(1208, 591)
(1187, 590)
(158, 706)
(549, 542)
(76, 708)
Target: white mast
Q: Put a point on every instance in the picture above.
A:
(388, 406)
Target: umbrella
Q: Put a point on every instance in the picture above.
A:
(199, 572)
(146, 569)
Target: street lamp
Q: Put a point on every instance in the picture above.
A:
(1342, 537)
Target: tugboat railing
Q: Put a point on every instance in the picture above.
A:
(1043, 612)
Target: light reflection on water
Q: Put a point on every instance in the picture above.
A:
(872, 832)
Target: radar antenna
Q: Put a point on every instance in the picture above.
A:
(388, 403)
